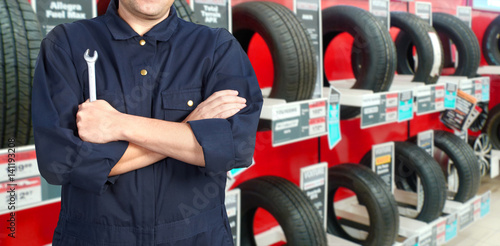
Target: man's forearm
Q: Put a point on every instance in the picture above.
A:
(172, 139)
(135, 157)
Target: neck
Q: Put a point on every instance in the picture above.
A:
(140, 24)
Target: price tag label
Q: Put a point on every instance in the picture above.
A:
(297, 121)
(464, 13)
(405, 107)
(440, 228)
(430, 99)
(478, 89)
(382, 10)
(26, 164)
(476, 207)
(424, 11)
(451, 227)
(233, 208)
(334, 135)
(485, 203)
(21, 192)
(379, 109)
(486, 89)
(314, 182)
(466, 86)
(426, 238)
(309, 13)
(450, 97)
(425, 140)
(213, 13)
(383, 163)
(54, 12)
(466, 216)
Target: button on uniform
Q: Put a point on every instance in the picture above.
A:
(190, 103)
(142, 42)
(144, 72)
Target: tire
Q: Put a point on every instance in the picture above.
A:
(482, 149)
(490, 43)
(288, 204)
(481, 119)
(370, 191)
(20, 38)
(184, 11)
(291, 49)
(492, 127)
(416, 32)
(448, 146)
(411, 162)
(451, 28)
(373, 57)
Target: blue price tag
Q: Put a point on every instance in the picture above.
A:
(405, 106)
(450, 96)
(485, 204)
(334, 135)
(451, 228)
(486, 89)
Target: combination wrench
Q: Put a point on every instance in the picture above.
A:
(91, 67)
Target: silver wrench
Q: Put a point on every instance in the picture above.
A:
(91, 67)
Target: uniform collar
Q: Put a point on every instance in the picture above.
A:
(121, 30)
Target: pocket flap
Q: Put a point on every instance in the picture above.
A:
(181, 100)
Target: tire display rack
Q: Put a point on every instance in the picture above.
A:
(275, 176)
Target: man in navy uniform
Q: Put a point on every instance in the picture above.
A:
(145, 164)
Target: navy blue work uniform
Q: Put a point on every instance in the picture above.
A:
(163, 74)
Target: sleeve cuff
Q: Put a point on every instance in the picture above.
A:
(216, 139)
(100, 159)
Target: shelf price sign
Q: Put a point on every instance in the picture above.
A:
(405, 106)
(478, 89)
(451, 226)
(430, 99)
(309, 13)
(450, 96)
(486, 89)
(314, 182)
(383, 163)
(464, 13)
(382, 10)
(213, 13)
(424, 11)
(379, 109)
(297, 121)
(466, 86)
(233, 205)
(334, 135)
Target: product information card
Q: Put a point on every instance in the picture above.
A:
(383, 163)
(314, 182)
(379, 109)
(213, 13)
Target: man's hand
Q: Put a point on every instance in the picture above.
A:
(96, 122)
(221, 104)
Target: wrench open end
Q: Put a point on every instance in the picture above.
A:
(90, 58)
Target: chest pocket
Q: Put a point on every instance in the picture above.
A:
(178, 104)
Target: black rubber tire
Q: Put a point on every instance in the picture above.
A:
(184, 11)
(449, 146)
(20, 38)
(373, 193)
(481, 119)
(492, 126)
(451, 28)
(287, 204)
(415, 33)
(410, 162)
(291, 48)
(491, 51)
(373, 57)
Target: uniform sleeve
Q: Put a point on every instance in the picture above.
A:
(229, 143)
(63, 158)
